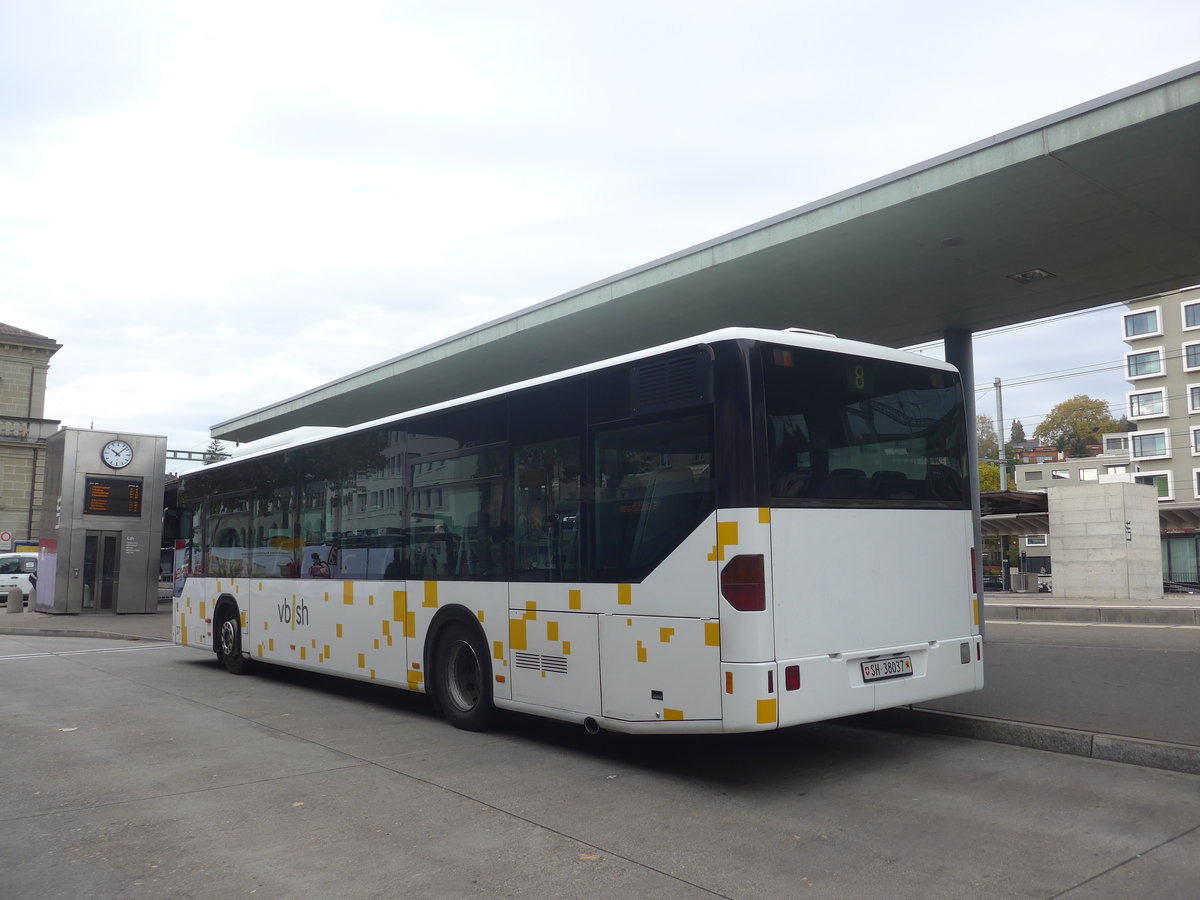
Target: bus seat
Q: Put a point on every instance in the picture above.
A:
(886, 484)
(944, 483)
(844, 483)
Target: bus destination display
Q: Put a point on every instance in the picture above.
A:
(112, 496)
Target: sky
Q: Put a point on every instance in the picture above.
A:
(213, 206)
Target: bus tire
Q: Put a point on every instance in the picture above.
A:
(229, 642)
(462, 684)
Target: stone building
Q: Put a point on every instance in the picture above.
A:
(24, 362)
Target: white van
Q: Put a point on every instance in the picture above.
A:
(16, 569)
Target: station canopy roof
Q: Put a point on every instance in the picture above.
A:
(1013, 512)
(1096, 204)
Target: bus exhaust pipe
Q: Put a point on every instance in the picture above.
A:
(591, 726)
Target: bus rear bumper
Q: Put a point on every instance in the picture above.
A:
(836, 685)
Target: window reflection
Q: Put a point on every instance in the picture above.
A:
(653, 487)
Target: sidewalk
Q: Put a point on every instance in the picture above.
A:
(1174, 609)
(144, 627)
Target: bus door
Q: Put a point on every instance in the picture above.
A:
(655, 540)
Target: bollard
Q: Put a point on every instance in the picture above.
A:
(16, 600)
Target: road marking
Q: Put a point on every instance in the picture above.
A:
(80, 652)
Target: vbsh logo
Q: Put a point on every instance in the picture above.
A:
(294, 614)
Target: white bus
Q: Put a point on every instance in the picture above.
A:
(742, 531)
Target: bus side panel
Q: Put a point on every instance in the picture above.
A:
(352, 628)
(660, 641)
(749, 692)
(746, 636)
(656, 668)
(487, 603)
(555, 660)
(191, 614)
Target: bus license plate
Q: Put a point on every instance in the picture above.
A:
(880, 669)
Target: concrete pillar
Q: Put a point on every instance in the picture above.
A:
(1104, 540)
(961, 355)
(16, 600)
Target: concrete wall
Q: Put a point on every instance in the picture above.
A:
(1104, 539)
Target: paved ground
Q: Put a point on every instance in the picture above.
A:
(139, 769)
(1089, 690)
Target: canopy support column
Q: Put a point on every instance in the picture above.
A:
(961, 355)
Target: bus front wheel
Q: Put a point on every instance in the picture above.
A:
(229, 644)
(462, 684)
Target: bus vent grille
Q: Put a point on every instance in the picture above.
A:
(670, 383)
(539, 663)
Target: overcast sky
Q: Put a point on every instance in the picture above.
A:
(216, 205)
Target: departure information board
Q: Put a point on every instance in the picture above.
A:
(112, 496)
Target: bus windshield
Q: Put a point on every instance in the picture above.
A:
(854, 431)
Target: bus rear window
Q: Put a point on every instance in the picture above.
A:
(855, 431)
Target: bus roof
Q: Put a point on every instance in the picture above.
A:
(795, 337)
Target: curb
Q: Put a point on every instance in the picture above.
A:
(80, 633)
(1183, 758)
(1101, 615)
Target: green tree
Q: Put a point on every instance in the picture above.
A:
(1076, 445)
(1016, 434)
(215, 452)
(1075, 423)
(989, 477)
(985, 438)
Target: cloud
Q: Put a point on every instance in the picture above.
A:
(215, 206)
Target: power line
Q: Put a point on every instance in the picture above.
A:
(1005, 329)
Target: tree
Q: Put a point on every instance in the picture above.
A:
(985, 438)
(215, 452)
(1076, 445)
(989, 477)
(1075, 423)
(1017, 434)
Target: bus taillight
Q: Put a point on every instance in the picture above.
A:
(791, 678)
(743, 583)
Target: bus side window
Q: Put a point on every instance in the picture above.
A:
(654, 485)
(274, 552)
(227, 544)
(546, 494)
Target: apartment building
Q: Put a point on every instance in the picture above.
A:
(1162, 366)
(1113, 460)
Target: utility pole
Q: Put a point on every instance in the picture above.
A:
(1000, 437)
(1005, 573)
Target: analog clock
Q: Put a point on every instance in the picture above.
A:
(117, 454)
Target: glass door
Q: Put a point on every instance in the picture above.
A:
(101, 564)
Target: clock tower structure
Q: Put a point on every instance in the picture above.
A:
(101, 523)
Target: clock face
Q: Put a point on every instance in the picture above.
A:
(117, 454)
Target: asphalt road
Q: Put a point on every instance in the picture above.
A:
(1140, 681)
(137, 770)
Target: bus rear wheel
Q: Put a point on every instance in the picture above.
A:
(229, 644)
(462, 683)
